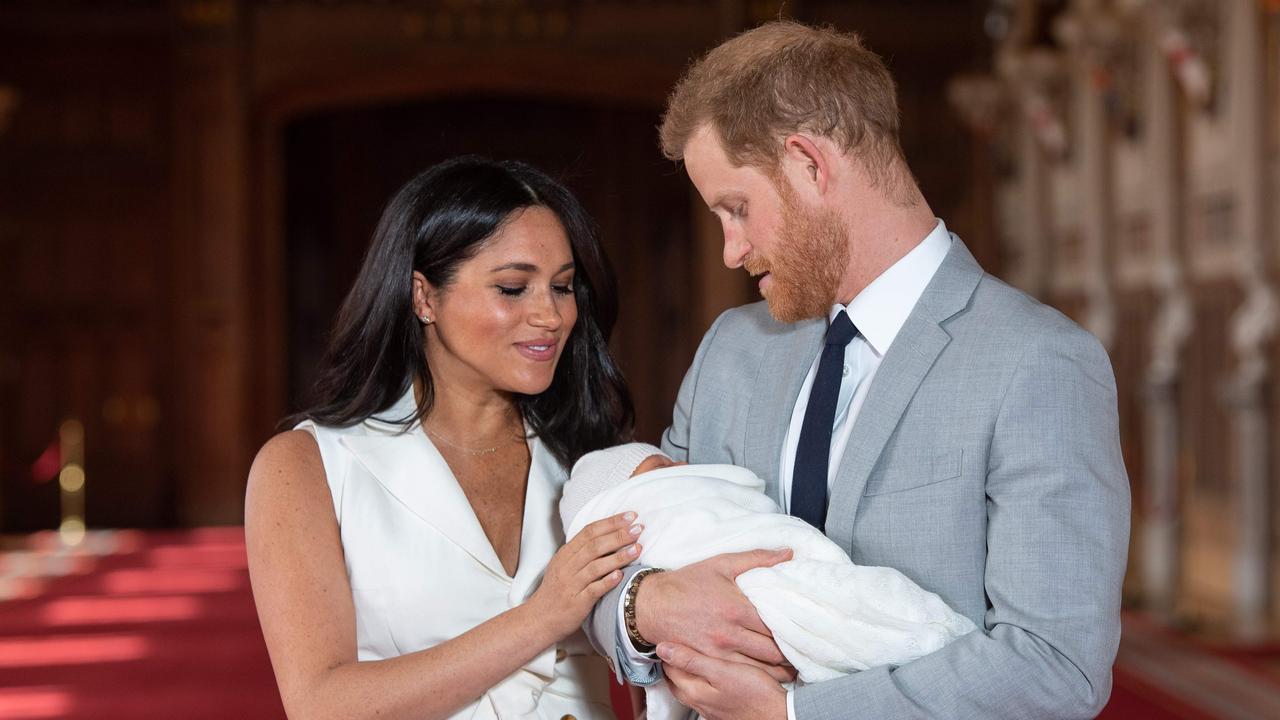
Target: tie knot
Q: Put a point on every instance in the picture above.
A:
(841, 331)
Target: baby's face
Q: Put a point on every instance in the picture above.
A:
(655, 462)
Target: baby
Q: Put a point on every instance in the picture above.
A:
(828, 616)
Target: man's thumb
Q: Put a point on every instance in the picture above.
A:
(738, 563)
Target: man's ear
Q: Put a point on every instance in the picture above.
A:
(424, 296)
(807, 162)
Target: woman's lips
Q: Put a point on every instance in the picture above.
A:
(539, 351)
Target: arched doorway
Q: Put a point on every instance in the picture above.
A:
(341, 165)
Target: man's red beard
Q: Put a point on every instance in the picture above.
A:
(811, 256)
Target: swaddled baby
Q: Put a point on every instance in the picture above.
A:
(828, 616)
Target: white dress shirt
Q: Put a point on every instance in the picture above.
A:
(879, 312)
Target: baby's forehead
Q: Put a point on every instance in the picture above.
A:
(653, 462)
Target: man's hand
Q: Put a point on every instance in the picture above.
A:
(719, 689)
(701, 606)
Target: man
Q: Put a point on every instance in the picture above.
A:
(928, 417)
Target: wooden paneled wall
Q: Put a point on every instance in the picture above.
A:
(87, 322)
(149, 199)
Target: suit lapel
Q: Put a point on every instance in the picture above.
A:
(908, 360)
(782, 371)
(903, 369)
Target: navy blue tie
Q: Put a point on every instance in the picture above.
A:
(809, 479)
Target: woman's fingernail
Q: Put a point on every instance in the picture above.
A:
(664, 651)
(637, 529)
(633, 550)
(629, 516)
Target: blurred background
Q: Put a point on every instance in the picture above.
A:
(187, 188)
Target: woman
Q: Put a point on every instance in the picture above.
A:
(397, 537)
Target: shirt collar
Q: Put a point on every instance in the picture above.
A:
(881, 309)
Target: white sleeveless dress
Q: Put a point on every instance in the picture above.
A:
(422, 570)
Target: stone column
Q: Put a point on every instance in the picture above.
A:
(1170, 331)
(1032, 274)
(1086, 31)
(1039, 139)
(1253, 326)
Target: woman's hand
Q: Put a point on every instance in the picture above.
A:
(586, 568)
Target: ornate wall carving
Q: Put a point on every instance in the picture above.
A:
(1174, 199)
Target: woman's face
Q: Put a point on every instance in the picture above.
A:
(504, 320)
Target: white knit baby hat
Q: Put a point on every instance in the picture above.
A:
(598, 471)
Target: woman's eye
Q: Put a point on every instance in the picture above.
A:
(562, 289)
(508, 291)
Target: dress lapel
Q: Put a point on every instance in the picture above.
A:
(908, 360)
(410, 468)
(786, 362)
(540, 532)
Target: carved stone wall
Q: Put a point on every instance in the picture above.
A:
(1161, 216)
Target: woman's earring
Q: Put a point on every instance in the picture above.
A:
(425, 320)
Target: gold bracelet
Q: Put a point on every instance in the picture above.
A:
(629, 611)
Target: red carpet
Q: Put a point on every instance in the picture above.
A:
(162, 625)
(162, 628)
(1160, 674)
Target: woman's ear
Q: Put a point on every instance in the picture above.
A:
(423, 297)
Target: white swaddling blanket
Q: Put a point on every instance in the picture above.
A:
(828, 616)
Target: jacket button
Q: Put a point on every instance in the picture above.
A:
(568, 717)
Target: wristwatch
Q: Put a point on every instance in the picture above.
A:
(629, 611)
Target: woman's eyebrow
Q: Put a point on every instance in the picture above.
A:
(529, 267)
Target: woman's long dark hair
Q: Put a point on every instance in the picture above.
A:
(437, 221)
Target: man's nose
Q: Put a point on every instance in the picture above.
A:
(735, 249)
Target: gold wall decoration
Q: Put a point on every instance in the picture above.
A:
(71, 482)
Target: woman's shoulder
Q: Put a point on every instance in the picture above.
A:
(290, 458)
(287, 484)
(310, 448)
(312, 458)
(291, 447)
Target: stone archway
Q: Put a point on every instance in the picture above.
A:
(593, 122)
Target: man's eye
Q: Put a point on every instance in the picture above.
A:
(739, 211)
(510, 291)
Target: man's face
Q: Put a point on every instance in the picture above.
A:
(799, 253)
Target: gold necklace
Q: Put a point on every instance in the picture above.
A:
(475, 452)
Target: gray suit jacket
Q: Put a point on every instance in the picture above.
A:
(985, 465)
